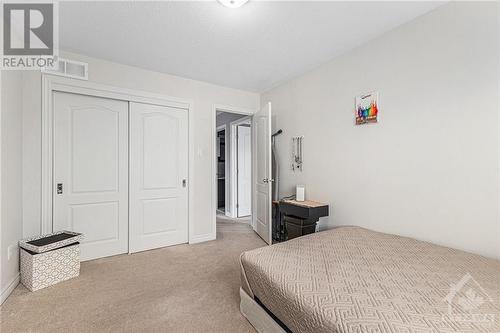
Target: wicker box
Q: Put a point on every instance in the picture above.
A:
(59, 261)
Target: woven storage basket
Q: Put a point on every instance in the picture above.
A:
(49, 259)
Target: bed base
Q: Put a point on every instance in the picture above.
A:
(257, 316)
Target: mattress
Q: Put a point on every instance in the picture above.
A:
(351, 279)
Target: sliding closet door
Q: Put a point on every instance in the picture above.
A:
(90, 193)
(158, 176)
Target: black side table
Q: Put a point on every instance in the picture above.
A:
(298, 218)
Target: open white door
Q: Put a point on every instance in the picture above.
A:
(158, 176)
(244, 170)
(261, 216)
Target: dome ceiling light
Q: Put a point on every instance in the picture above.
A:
(233, 3)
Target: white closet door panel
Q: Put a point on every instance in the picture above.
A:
(90, 162)
(160, 144)
(94, 160)
(97, 221)
(158, 176)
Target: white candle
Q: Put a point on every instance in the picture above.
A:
(300, 194)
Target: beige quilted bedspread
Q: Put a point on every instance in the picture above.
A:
(352, 279)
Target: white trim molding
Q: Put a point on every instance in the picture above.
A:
(10, 288)
(232, 109)
(202, 238)
(51, 84)
(233, 156)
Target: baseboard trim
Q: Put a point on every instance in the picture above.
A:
(202, 238)
(10, 288)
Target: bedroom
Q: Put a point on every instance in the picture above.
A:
(427, 169)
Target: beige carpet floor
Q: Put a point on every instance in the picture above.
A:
(184, 288)
(224, 218)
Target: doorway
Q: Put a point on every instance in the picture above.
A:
(233, 158)
(221, 154)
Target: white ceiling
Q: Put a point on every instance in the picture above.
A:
(254, 47)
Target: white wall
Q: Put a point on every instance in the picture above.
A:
(11, 179)
(203, 95)
(430, 168)
(32, 154)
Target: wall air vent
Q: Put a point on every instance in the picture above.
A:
(69, 68)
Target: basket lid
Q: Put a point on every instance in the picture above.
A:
(44, 243)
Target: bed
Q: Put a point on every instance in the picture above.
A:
(352, 279)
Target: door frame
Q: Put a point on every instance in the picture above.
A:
(51, 84)
(234, 162)
(213, 130)
(226, 171)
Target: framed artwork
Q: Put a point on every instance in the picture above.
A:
(367, 108)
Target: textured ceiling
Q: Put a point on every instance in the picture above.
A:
(253, 48)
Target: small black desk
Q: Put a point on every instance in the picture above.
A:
(296, 218)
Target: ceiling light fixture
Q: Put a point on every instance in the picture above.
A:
(233, 3)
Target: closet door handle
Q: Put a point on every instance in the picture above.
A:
(184, 183)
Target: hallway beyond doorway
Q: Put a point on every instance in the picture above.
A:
(221, 217)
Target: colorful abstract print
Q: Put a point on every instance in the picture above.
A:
(367, 114)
